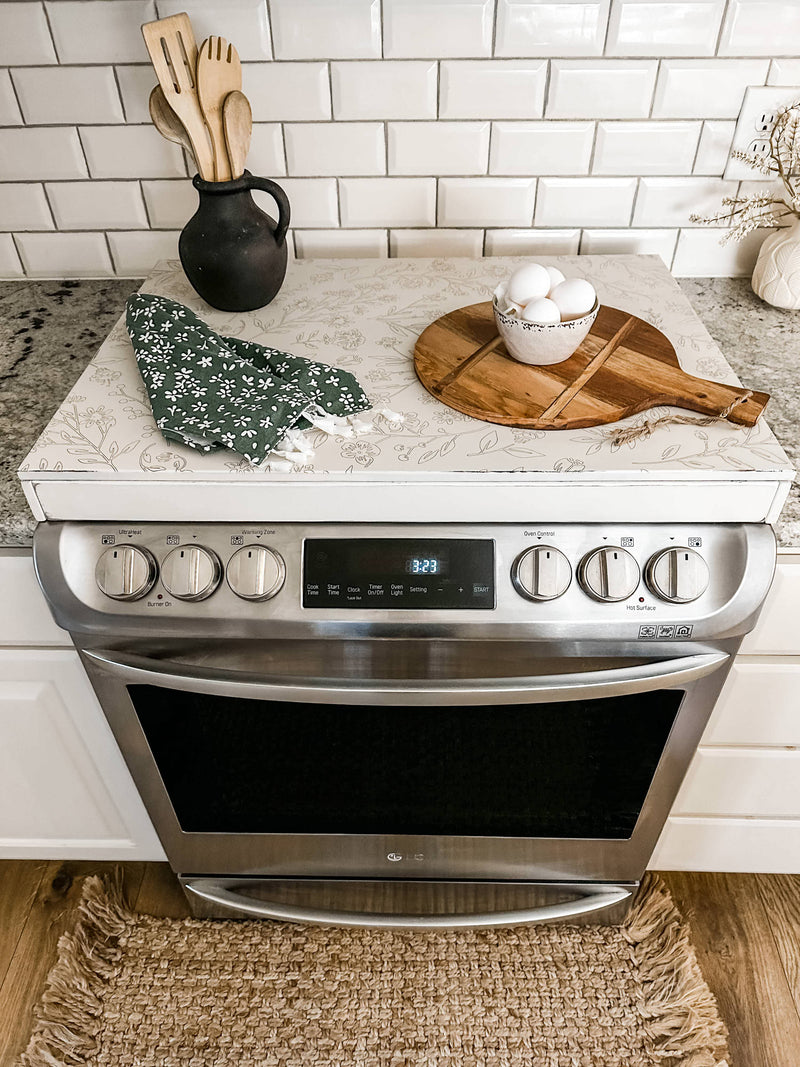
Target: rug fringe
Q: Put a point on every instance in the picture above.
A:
(64, 1032)
(678, 1009)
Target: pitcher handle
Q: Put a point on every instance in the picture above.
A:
(280, 197)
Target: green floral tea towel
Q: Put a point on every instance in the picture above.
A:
(209, 391)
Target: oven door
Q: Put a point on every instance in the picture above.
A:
(405, 759)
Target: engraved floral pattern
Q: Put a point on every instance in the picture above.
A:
(364, 316)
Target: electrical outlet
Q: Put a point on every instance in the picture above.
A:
(757, 117)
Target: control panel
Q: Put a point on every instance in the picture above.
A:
(646, 582)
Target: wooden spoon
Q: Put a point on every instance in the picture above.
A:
(173, 53)
(237, 118)
(167, 122)
(219, 72)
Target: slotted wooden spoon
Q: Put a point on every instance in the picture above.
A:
(219, 72)
(237, 118)
(173, 53)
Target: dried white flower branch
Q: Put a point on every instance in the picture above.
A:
(747, 213)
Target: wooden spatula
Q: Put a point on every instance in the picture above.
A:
(173, 53)
(219, 73)
(237, 118)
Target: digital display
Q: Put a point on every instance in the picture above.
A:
(424, 566)
(398, 572)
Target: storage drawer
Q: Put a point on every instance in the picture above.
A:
(760, 704)
(735, 781)
(770, 846)
(778, 629)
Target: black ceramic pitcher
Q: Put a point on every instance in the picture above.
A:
(233, 253)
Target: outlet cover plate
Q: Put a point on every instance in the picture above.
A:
(753, 127)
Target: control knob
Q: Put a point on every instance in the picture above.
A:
(125, 572)
(609, 574)
(191, 573)
(679, 575)
(255, 572)
(541, 573)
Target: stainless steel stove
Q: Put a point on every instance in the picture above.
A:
(407, 724)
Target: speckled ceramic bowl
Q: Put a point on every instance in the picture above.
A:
(538, 345)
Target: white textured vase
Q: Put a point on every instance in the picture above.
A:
(776, 276)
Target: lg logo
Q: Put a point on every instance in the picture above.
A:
(396, 857)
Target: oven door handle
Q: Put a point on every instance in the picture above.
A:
(222, 891)
(619, 681)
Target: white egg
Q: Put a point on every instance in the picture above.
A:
(575, 297)
(544, 312)
(556, 277)
(531, 282)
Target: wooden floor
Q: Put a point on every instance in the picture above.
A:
(745, 927)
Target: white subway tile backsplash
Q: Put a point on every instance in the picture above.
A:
(670, 201)
(665, 28)
(64, 255)
(541, 147)
(317, 148)
(136, 253)
(56, 95)
(131, 152)
(313, 201)
(287, 92)
(97, 205)
(600, 88)
(170, 204)
(700, 255)
(96, 31)
(714, 148)
(243, 23)
(38, 153)
(436, 242)
(645, 147)
(24, 207)
(584, 201)
(705, 88)
(266, 156)
(135, 85)
(388, 201)
(326, 29)
(24, 35)
(532, 242)
(438, 147)
(340, 244)
(9, 108)
(492, 89)
(437, 29)
(10, 266)
(551, 27)
(384, 90)
(486, 201)
(784, 72)
(630, 242)
(759, 27)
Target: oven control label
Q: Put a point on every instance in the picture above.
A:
(665, 631)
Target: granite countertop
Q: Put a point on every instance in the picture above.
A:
(49, 331)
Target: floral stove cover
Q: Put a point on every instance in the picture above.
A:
(365, 316)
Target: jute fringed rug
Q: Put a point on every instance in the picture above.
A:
(133, 991)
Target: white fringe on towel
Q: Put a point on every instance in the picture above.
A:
(295, 449)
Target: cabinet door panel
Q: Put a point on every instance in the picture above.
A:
(778, 629)
(735, 781)
(759, 705)
(751, 845)
(66, 792)
(26, 618)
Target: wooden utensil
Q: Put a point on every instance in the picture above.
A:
(219, 72)
(624, 366)
(166, 121)
(173, 53)
(237, 120)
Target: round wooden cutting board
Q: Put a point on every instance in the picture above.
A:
(624, 366)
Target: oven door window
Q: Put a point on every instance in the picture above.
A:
(576, 769)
